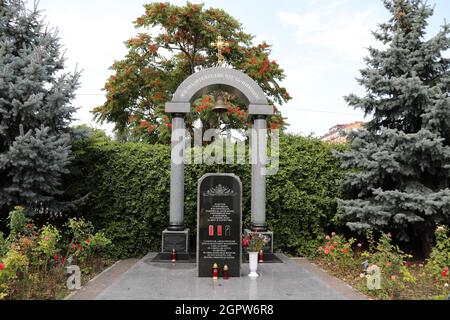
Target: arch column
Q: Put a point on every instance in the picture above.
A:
(176, 236)
(259, 161)
(177, 173)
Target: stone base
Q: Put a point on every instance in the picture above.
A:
(178, 240)
(268, 249)
(166, 257)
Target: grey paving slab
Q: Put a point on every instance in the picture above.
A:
(94, 287)
(147, 280)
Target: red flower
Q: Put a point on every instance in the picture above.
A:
(153, 49)
(157, 96)
(320, 249)
(265, 66)
(336, 244)
(389, 264)
(345, 250)
(143, 123)
(80, 247)
(332, 248)
(207, 99)
(74, 246)
(327, 251)
(445, 272)
(169, 125)
(328, 244)
(56, 257)
(2, 266)
(88, 241)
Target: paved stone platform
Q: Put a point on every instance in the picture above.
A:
(290, 280)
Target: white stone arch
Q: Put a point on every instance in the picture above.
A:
(237, 83)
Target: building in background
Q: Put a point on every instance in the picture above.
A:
(341, 132)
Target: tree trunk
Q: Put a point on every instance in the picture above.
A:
(426, 241)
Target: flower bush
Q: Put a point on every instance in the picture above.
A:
(400, 276)
(254, 241)
(336, 249)
(394, 271)
(438, 263)
(33, 260)
(84, 244)
(48, 240)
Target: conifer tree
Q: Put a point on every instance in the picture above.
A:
(35, 109)
(400, 162)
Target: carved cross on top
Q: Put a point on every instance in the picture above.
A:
(220, 45)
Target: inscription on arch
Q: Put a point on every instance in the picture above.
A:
(226, 79)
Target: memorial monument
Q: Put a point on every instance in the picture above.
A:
(237, 83)
(219, 224)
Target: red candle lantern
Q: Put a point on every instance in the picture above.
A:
(173, 256)
(225, 272)
(261, 256)
(215, 272)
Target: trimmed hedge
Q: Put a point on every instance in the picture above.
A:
(128, 186)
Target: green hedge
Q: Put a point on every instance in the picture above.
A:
(128, 186)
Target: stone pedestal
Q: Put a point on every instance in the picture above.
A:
(178, 240)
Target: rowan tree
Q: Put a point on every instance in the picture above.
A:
(175, 42)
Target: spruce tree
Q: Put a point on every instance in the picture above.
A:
(400, 162)
(35, 109)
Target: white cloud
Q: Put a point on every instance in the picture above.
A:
(346, 32)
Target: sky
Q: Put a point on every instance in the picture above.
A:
(319, 43)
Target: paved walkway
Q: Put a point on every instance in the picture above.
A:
(294, 279)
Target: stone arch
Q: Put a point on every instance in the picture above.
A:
(234, 82)
(229, 80)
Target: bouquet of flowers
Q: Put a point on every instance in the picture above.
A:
(254, 241)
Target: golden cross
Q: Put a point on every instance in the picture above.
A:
(220, 45)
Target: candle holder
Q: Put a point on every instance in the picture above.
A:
(215, 272)
(261, 256)
(225, 272)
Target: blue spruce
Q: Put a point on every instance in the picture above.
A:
(35, 109)
(400, 161)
